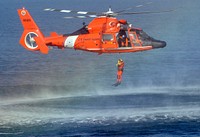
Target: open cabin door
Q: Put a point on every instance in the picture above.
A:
(128, 38)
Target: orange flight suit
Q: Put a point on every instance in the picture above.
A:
(120, 65)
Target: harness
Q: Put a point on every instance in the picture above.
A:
(121, 66)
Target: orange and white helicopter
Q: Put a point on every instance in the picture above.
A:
(104, 34)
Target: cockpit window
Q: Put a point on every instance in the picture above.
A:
(141, 34)
(107, 37)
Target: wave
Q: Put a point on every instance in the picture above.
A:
(9, 133)
(48, 91)
(38, 114)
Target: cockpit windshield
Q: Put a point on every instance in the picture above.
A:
(141, 34)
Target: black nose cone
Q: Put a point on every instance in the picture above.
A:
(158, 44)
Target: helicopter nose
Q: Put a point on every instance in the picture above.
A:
(158, 44)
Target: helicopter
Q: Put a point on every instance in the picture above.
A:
(104, 34)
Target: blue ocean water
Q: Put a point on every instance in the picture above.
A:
(69, 93)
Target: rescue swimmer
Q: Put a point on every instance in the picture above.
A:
(120, 69)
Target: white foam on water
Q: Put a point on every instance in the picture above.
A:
(8, 133)
(25, 112)
(39, 116)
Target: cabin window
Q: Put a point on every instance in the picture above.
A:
(134, 36)
(107, 37)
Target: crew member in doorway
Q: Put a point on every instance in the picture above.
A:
(120, 69)
(122, 39)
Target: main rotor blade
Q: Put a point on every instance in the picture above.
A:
(82, 17)
(138, 6)
(145, 12)
(71, 11)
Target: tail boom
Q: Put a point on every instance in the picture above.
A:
(32, 38)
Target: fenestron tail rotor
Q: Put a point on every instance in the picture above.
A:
(30, 41)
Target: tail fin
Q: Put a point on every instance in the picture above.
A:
(32, 38)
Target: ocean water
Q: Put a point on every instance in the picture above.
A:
(70, 93)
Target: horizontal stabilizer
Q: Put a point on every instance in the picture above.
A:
(42, 46)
